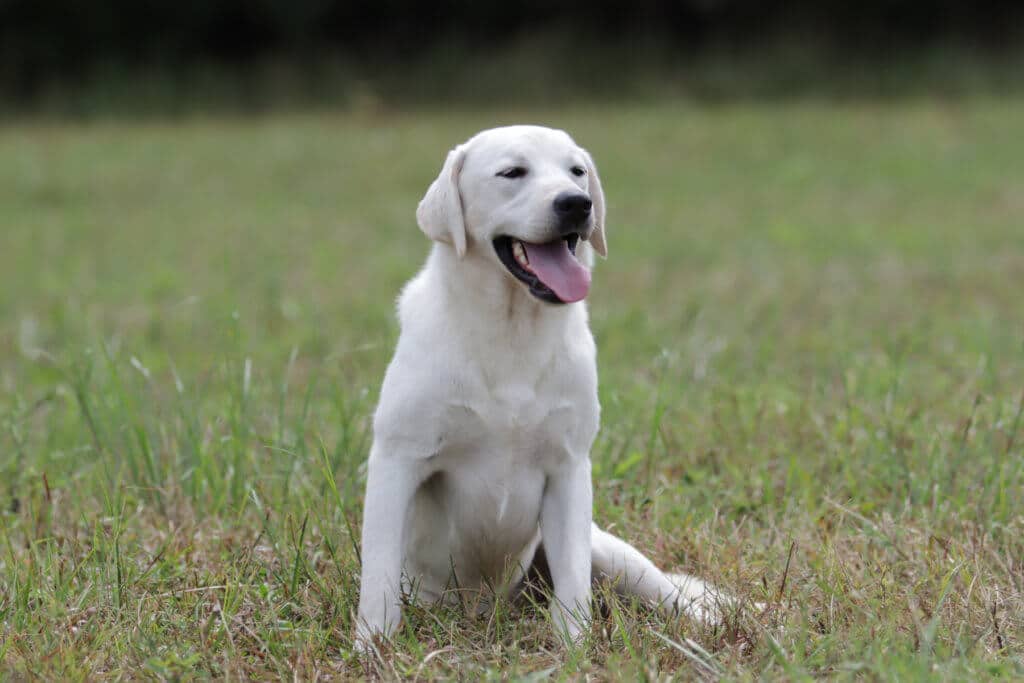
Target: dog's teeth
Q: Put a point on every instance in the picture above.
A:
(520, 253)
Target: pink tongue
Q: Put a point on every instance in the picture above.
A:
(556, 267)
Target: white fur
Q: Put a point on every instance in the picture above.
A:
(489, 407)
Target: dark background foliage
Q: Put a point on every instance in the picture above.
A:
(65, 41)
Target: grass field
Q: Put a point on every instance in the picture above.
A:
(811, 347)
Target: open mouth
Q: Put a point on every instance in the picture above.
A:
(551, 270)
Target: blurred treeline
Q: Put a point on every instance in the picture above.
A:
(68, 53)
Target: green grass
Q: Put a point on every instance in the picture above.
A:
(811, 334)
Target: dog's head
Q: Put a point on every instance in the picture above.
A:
(526, 197)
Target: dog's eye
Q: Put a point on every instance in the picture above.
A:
(514, 172)
(578, 171)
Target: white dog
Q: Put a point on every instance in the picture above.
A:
(482, 436)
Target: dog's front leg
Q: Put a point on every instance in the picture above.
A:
(565, 528)
(390, 486)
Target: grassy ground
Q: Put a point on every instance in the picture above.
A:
(811, 336)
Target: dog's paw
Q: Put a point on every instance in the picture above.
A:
(694, 599)
(705, 603)
(572, 626)
(365, 642)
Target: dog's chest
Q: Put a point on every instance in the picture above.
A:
(517, 406)
(534, 421)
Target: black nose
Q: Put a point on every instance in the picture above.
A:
(572, 207)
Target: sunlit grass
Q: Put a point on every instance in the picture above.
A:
(811, 342)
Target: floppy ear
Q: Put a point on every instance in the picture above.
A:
(597, 238)
(440, 211)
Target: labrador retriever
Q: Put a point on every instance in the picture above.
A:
(482, 436)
